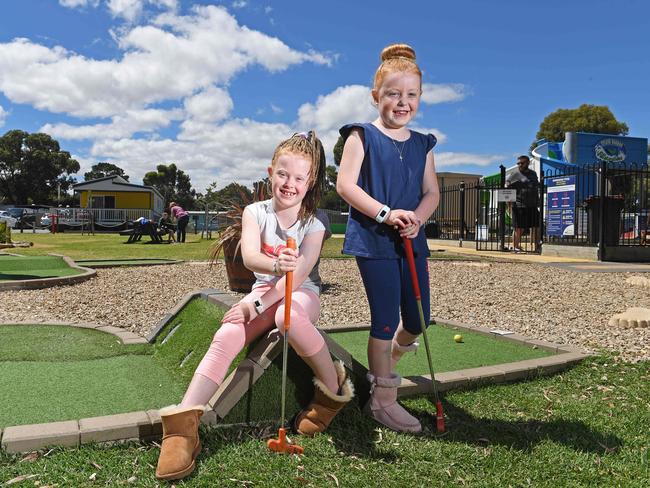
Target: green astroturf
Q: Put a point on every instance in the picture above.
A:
(33, 267)
(50, 373)
(447, 355)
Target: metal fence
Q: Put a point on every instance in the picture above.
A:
(605, 205)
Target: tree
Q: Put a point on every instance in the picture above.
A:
(586, 118)
(331, 199)
(338, 150)
(33, 168)
(233, 193)
(173, 184)
(101, 170)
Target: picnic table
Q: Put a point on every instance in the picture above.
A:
(149, 228)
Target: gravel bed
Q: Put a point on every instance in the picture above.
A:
(537, 301)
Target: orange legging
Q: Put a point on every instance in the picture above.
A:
(231, 338)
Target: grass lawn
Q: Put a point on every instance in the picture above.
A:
(475, 350)
(112, 246)
(586, 427)
(33, 267)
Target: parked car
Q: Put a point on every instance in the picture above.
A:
(6, 217)
(46, 220)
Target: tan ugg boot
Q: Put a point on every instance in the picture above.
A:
(397, 351)
(325, 404)
(383, 406)
(180, 443)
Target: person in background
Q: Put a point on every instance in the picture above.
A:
(166, 227)
(525, 215)
(182, 219)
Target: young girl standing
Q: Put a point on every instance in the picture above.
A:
(297, 175)
(387, 175)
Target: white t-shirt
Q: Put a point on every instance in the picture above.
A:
(274, 239)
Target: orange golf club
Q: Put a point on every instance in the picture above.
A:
(282, 443)
(408, 247)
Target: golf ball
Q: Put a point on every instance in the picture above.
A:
(458, 338)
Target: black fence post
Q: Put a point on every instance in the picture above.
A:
(462, 212)
(502, 210)
(602, 190)
(540, 232)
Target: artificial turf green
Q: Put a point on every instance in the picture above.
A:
(447, 355)
(34, 267)
(61, 343)
(47, 391)
(194, 327)
(54, 372)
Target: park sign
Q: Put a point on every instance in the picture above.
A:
(583, 148)
(560, 206)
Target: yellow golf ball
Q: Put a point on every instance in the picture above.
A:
(458, 338)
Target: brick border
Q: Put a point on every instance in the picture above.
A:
(38, 283)
(144, 425)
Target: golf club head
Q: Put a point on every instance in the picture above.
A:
(281, 445)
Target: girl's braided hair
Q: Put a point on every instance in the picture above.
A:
(308, 145)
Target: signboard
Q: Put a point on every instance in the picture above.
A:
(561, 206)
(506, 195)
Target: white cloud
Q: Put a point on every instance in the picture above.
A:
(210, 105)
(441, 93)
(169, 59)
(3, 116)
(275, 109)
(238, 150)
(78, 3)
(351, 103)
(445, 159)
(239, 4)
(130, 10)
(441, 136)
(121, 126)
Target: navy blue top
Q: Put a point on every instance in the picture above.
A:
(392, 182)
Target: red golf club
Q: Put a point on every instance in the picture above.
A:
(408, 247)
(282, 443)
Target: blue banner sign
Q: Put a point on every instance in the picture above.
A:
(561, 206)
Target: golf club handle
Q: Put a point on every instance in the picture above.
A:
(408, 247)
(291, 243)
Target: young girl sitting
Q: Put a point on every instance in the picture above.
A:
(297, 175)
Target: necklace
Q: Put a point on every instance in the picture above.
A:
(399, 151)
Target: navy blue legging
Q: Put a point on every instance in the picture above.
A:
(180, 228)
(390, 292)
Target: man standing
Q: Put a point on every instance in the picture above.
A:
(526, 214)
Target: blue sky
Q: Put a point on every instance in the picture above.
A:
(214, 86)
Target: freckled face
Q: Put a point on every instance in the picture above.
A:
(398, 99)
(289, 179)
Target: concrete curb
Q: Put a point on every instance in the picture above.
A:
(38, 283)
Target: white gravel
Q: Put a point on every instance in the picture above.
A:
(537, 301)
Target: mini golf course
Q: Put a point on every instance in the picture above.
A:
(13, 267)
(55, 373)
(474, 351)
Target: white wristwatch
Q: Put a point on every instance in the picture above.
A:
(259, 307)
(383, 213)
